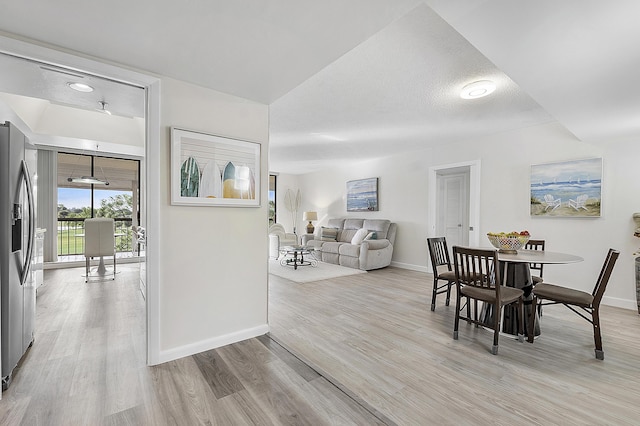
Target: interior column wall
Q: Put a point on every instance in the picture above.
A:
(213, 260)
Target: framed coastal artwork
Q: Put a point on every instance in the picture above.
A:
(210, 170)
(567, 189)
(362, 195)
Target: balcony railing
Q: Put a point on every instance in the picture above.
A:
(71, 235)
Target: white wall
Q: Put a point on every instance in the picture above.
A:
(201, 294)
(505, 167)
(213, 260)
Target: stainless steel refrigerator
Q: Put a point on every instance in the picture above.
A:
(18, 164)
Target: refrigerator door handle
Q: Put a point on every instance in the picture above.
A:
(26, 178)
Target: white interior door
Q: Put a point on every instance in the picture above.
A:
(453, 206)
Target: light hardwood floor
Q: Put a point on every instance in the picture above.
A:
(374, 336)
(371, 335)
(87, 367)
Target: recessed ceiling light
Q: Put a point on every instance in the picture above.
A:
(80, 87)
(477, 89)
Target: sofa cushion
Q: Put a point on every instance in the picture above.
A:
(380, 226)
(354, 224)
(328, 234)
(371, 236)
(346, 235)
(331, 247)
(350, 250)
(335, 223)
(360, 235)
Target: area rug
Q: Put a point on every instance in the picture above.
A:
(305, 274)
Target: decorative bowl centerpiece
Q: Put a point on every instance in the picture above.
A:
(509, 242)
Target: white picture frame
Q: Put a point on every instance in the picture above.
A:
(212, 170)
(567, 189)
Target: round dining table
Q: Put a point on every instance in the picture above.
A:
(538, 256)
(515, 272)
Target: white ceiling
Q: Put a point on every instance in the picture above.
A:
(36, 80)
(256, 49)
(364, 78)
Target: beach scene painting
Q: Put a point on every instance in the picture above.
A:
(567, 189)
(362, 195)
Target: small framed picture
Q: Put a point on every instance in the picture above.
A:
(362, 195)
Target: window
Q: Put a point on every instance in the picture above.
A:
(79, 200)
(272, 199)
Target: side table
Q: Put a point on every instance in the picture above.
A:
(305, 238)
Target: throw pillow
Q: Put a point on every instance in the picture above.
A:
(359, 237)
(328, 234)
(370, 236)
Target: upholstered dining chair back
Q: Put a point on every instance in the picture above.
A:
(99, 239)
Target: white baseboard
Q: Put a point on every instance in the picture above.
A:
(410, 266)
(212, 343)
(620, 303)
(609, 301)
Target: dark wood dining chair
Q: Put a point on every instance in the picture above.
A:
(442, 269)
(579, 301)
(535, 245)
(478, 278)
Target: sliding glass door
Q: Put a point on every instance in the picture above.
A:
(93, 186)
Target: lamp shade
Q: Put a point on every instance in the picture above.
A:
(310, 216)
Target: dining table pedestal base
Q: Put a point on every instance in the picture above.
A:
(515, 275)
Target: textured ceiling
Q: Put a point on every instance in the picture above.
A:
(365, 78)
(255, 49)
(579, 59)
(399, 90)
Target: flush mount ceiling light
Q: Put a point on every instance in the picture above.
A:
(103, 107)
(80, 87)
(478, 89)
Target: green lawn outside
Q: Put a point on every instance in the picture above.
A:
(71, 241)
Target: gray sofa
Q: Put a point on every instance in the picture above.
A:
(333, 242)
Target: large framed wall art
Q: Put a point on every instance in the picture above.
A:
(362, 195)
(567, 189)
(210, 170)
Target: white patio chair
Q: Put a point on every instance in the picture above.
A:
(580, 202)
(551, 202)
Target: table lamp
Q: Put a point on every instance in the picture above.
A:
(310, 216)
